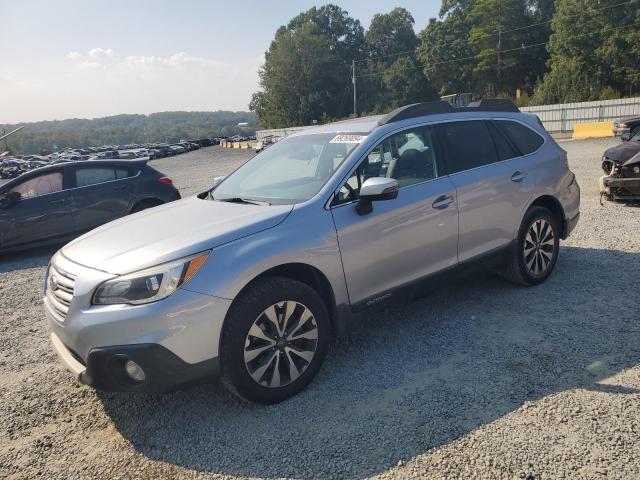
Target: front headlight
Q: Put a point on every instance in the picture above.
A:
(151, 284)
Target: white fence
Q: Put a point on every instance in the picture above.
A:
(278, 132)
(562, 117)
(556, 118)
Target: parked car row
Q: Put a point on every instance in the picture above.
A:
(240, 138)
(265, 142)
(13, 166)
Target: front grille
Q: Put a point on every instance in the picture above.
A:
(60, 285)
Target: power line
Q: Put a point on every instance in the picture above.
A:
(522, 47)
(461, 59)
(500, 32)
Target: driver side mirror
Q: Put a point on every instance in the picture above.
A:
(376, 189)
(625, 137)
(9, 199)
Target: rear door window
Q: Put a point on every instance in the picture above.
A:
(526, 140)
(468, 143)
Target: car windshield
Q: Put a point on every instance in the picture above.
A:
(290, 171)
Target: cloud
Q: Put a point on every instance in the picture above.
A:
(73, 56)
(177, 60)
(101, 53)
(91, 66)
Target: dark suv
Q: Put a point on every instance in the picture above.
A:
(58, 202)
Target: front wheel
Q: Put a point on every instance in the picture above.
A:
(274, 340)
(536, 249)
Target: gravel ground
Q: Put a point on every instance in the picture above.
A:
(478, 380)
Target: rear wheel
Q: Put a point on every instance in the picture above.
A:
(536, 249)
(274, 340)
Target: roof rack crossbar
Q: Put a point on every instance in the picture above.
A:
(441, 106)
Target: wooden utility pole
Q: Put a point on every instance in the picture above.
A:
(353, 79)
(499, 65)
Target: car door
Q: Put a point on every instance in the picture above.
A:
(102, 193)
(404, 239)
(493, 185)
(41, 214)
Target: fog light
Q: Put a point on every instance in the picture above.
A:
(134, 371)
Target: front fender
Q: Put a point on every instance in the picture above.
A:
(307, 236)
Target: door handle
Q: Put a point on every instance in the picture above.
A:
(442, 202)
(518, 177)
(57, 202)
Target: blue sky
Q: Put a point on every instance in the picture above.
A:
(73, 58)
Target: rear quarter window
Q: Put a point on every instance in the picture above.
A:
(526, 140)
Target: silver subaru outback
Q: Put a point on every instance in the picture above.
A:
(248, 281)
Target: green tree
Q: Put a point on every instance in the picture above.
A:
(123, 129)
(593, 50)
(473, 46)
(306, 74)
(391, 75)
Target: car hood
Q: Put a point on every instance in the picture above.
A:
(168, 232)
(621, 153)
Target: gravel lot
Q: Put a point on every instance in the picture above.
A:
(478, 380)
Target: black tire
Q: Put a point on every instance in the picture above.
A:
(248, 309)
(144, 204)
(520, 269)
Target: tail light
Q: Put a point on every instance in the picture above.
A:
(165, 180)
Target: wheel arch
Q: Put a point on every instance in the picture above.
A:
(555, 207)
(310, 276)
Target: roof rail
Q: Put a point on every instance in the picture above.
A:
(440, 106)
(417, 110)
(494, 105)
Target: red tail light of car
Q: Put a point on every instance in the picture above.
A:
(165, 180)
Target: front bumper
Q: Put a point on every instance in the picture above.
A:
(164, 371)
(620, 188)
(177, 338)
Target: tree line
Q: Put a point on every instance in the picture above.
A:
(49, 136)
(533, 51)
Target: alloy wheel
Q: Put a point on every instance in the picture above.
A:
(281, 344)
(539, 247)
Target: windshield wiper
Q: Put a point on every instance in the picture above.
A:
(249, 201)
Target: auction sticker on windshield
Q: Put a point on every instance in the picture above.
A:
(348, 139)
